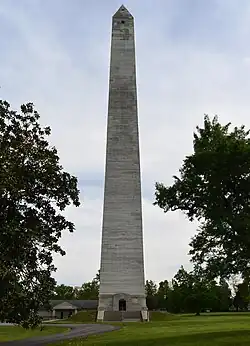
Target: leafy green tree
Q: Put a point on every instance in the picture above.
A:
(224, 295)
(152, 302)
(97, 277)
(90, 290)
(151, 298)
(64, 292)
(162, 294)
(200, 298)
(242, 297)
(175, 301)
(34, 191)
(182, 286)
(193, 290)
(150, 288)
(214, 187)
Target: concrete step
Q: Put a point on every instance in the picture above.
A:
(132, 315)
(112, 316)
(118, 316)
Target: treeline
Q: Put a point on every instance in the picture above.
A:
(187, 292)
(194, 292)
(88, 290)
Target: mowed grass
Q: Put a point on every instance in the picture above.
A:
(182, 330)
(8, 333)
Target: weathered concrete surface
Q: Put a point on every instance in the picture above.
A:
(122, 262)
(77, 330)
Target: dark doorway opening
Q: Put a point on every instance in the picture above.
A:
(61, 314)
(122, 305)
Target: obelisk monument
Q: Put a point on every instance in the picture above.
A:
(122, 286)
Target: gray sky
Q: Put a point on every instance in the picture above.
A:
(193, 57)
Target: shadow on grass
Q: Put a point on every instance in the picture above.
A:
(229, 338)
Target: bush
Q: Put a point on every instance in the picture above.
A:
(83, 317)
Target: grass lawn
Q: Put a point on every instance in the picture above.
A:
(182, 330)
(80, 317)
(8, 333)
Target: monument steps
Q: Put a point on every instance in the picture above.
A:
(131, 320)
(122, 316)
(112, 316)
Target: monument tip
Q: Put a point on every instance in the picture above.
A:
(122, 12)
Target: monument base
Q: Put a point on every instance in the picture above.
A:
(122, 307)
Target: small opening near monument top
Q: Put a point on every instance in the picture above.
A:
(122, 305)
(122, 22)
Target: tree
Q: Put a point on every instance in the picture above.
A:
(162, 294)
(150, 288)
(200, 298)
(90, 290)
(193, 290)
(64, 292)
(34, 191)
(214, 187)
(174, 302)
(151, 298)
(97, 276)
(224, 296)
(241, 299)
(182, 286)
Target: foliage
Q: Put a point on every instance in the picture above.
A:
(64, 292)
(193, 290)
(242, 296)
(152, 302)
(88, 290)
(163, 294)
(34, 191)
(97, 276)
(189, 292)
(214, 187)
(151, 290)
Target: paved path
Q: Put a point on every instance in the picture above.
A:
(77, 330)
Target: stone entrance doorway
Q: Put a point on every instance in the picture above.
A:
(122, 305)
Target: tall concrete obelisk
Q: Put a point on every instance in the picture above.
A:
(122, 286)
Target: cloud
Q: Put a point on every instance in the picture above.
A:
(192, 58)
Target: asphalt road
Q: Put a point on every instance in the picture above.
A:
(77, 330)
